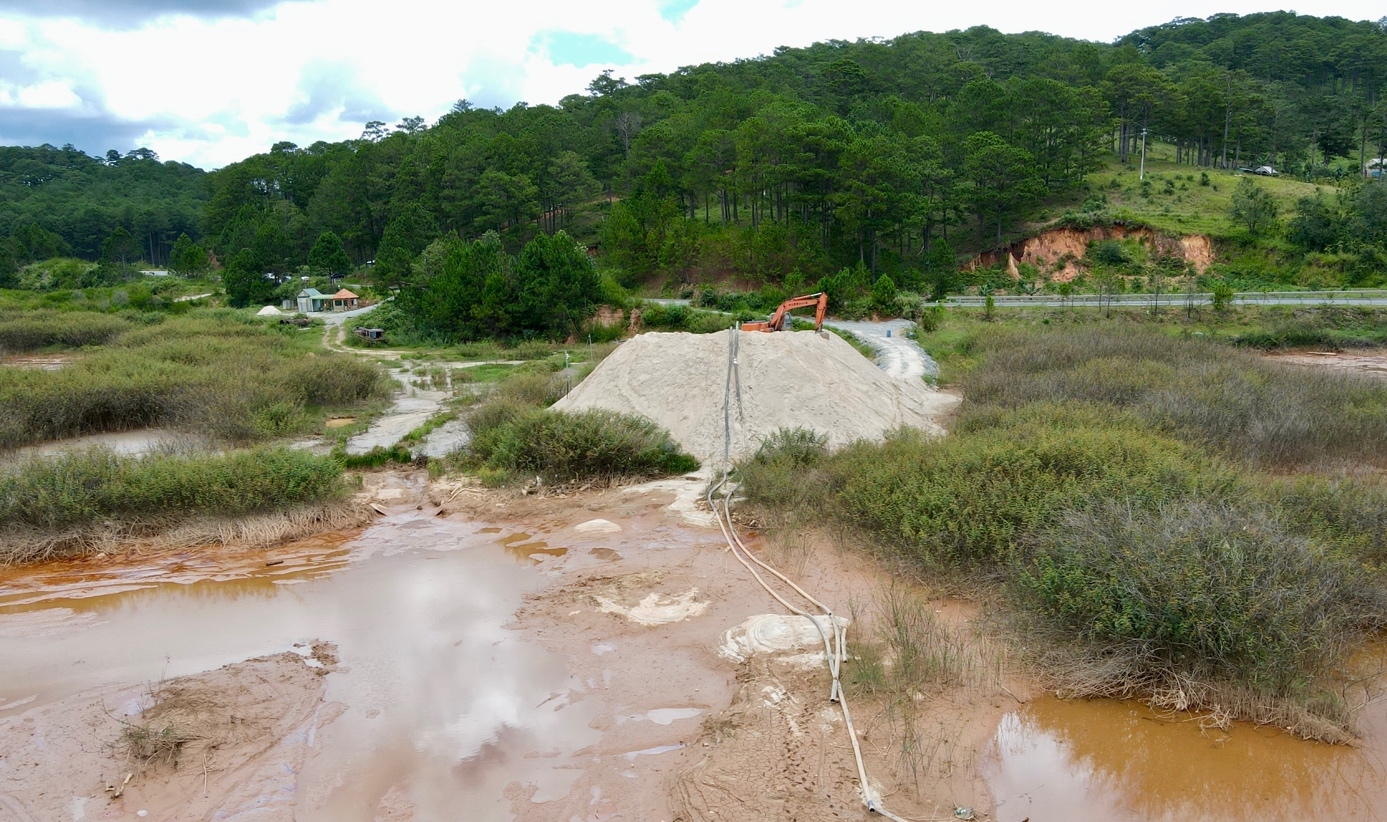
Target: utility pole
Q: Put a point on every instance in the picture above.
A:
(1142, 175)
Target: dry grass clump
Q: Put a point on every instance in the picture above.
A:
(23, 544)
(22, 331)
(912, 651)
(1231, 401)
(213, 373)
(911, 657)
(153, 743)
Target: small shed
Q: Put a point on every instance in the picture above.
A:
(311, 299)
(345, 300)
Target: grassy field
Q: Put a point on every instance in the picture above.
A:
(215, 373)
(1164, 515)
(1176, 199)
(954, 335)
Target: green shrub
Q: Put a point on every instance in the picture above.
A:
(973, 498)
(567, 447)
(86, 487)
(377, 457)
(1202, 591)
(776, 475)
(799, 446)
(1348, 514)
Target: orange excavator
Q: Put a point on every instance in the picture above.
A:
(777, 320)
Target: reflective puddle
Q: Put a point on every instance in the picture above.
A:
(1103, 760)
(443, 702)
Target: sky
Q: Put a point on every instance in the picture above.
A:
(209, 82)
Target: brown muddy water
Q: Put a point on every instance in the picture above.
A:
(439, 693)
(1103, 760)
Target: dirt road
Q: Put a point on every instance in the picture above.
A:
(897, 354)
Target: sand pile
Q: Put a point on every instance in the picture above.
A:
(789, 380)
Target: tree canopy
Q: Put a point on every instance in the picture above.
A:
(813, 159)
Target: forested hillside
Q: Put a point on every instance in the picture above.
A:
(841, 154)
(59, 201)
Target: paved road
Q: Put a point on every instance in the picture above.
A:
(1363, 298)
(897, 355)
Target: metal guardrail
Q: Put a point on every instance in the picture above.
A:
(1343, 297)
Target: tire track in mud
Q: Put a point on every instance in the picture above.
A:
(810, 780)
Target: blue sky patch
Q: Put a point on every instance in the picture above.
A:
(674, 10)
(567, 48)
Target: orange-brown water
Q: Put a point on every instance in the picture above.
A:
(437, 691)
(1103, 760)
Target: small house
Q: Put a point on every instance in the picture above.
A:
(345, 300)
(311, 300)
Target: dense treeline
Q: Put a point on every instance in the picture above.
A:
(1293, 91)
(60, 201)
(820, 157)
(812, 159)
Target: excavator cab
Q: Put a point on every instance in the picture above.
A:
(782, 311)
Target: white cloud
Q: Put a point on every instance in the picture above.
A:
(221, 89)
(49, 94)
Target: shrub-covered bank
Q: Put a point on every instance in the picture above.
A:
(43, 500)
(215, 373)
(1170, 517)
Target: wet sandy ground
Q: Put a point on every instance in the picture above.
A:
(516, 657)
(1370, 363)
(126, 443)
(51, 362)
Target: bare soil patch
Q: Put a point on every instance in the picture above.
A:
(228, 741)
(1369, 363)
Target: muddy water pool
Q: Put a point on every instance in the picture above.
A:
(436, 693)
(1103, 760)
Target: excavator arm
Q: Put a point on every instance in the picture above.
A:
(777, 320)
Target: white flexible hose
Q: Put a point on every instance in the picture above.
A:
(835, 650)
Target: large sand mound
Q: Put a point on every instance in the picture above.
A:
(789, 380)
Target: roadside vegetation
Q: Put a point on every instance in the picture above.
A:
(1170, 518)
